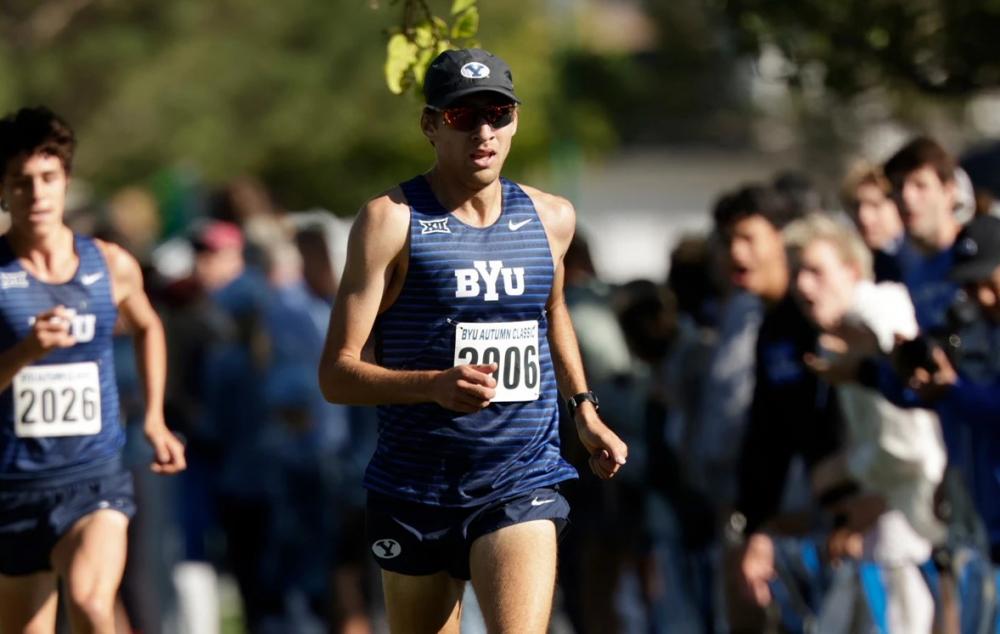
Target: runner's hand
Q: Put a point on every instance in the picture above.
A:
(607, 451)
(168, 450)
(465, 388)
(51, 331)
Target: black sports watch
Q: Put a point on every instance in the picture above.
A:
(576, 400)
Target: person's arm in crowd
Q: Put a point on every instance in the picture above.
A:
(964, 401)
(606, 450)
(879, 374)
(377, 244)
(764, 460)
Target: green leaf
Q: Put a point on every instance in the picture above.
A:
(466, 25)
(423, 35)
(440, 27)
(400, 55)
(420, 66)
(461, 5)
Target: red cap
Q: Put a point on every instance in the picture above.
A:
(217, 235)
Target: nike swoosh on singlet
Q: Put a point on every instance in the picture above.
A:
(91, 278)
(514, 226)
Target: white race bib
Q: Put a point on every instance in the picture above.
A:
(57, 400)
(513, 346)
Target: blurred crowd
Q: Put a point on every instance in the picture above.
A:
(807, 398)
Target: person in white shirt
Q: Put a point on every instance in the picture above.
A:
(895, 456)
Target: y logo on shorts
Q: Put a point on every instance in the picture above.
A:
(386, 548)
(489, 272)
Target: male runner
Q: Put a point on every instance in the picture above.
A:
(65, 498)
(457, 277)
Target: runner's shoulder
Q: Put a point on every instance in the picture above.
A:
(555, 212)
(385, 219)
(386, 209)
(117, 257)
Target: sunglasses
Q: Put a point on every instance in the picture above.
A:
(467, 118)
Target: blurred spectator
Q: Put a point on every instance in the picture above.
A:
(922, 175)
(604, 544)
(971, 401)
(894, 457)
(867, 198)
(133, 214)
(798, 191)
(792, 412)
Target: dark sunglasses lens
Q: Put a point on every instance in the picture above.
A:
(465, 119)
(499, 116)
(461, 119)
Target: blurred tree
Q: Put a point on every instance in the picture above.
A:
(940, 47)
(293, 92)
(421, 36)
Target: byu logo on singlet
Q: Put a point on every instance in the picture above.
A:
(434, 226)
(82, 326)
(490, 273)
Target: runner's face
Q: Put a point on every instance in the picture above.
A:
(824, 284)
(477, 155)
(34, 190)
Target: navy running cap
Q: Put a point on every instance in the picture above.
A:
(456, 73)
(976, 254)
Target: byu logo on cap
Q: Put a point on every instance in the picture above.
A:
(475, 70)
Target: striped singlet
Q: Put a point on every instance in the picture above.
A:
(473, 295)
(59, 416)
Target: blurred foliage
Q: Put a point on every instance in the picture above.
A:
(422, 36)
(941, 47)
(293, 92)
(687, 88)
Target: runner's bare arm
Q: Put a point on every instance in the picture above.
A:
(607, 452)
(371, 278)
(150, 350)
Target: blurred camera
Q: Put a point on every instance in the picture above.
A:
(918, 352)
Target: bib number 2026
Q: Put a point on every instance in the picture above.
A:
(513, 346)
(57, 400)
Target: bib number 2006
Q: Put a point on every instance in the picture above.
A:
(513, 346)
(57, 400)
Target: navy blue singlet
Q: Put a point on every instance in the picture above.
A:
(473, 295)
(60, 414)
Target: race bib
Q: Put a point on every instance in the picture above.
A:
(513, 346)
(57, 400)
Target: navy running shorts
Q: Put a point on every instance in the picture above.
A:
(420, 539)
(34, 515)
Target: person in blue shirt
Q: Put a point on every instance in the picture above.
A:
(65, 497)
(922, 174)
(456, 276)
(973, 402)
